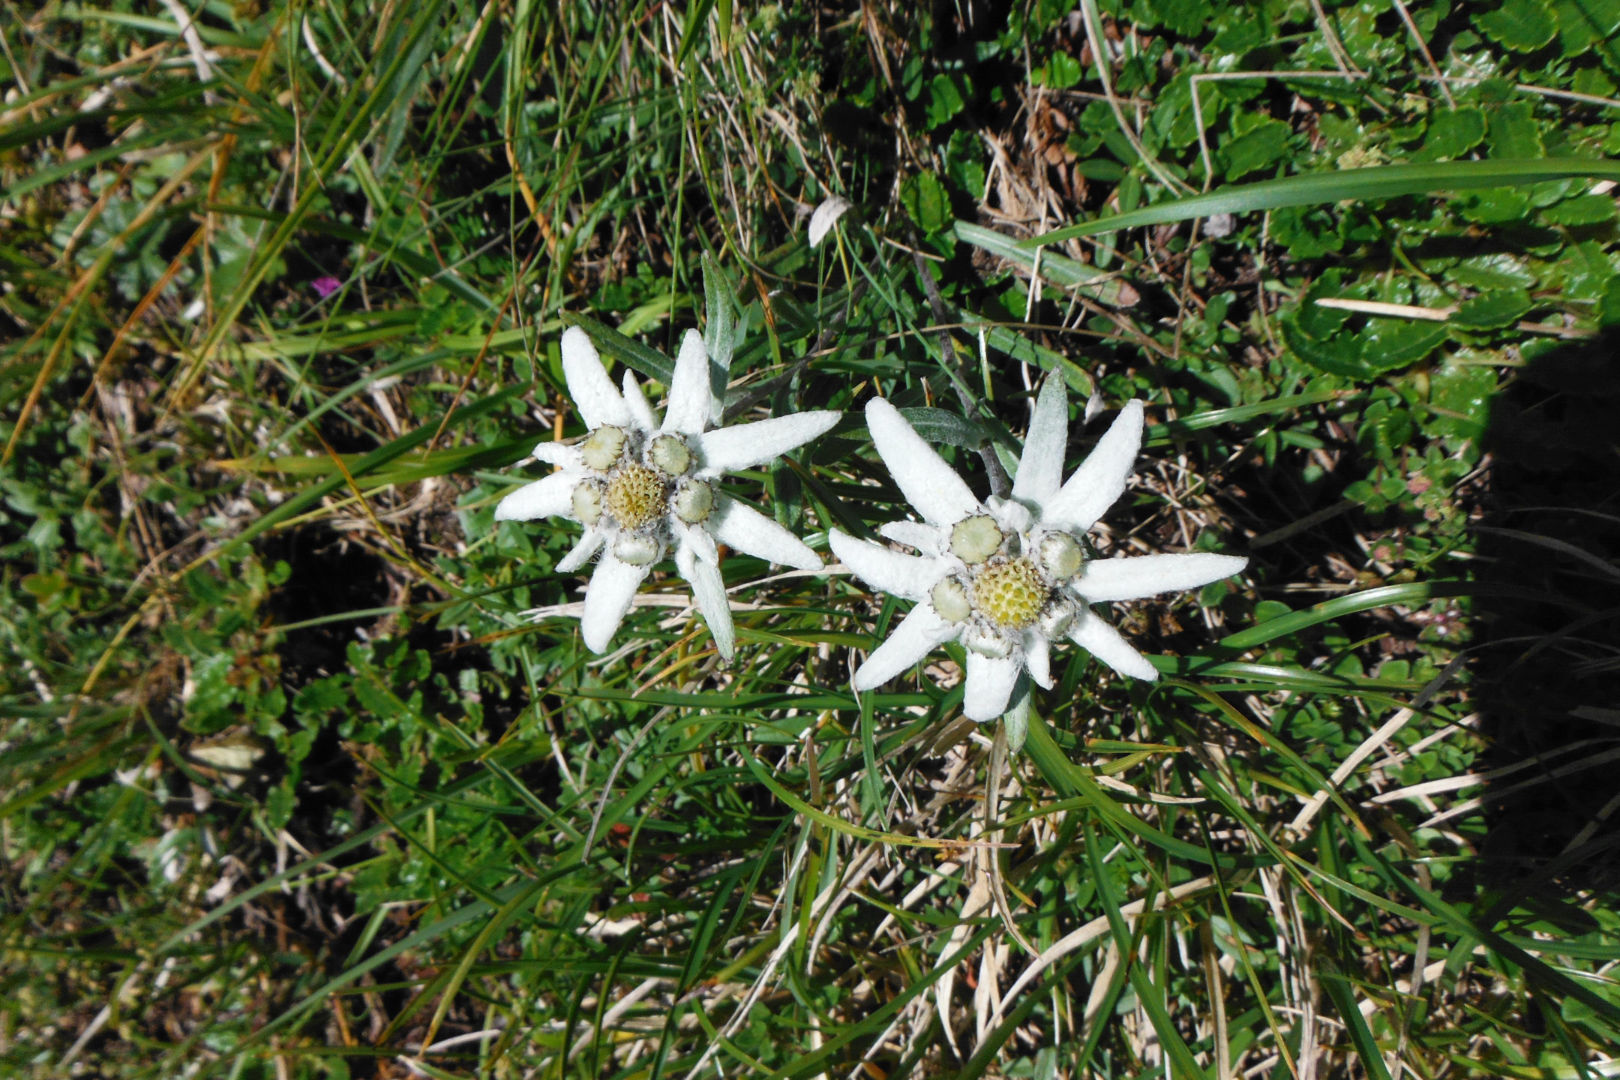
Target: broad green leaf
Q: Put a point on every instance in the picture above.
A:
(1337, 356)
(1460, 396)
(944, 100)
(1061, 72)
(1514, 132)
(1185, 18)
(1495, 207)
(1452, 134)
(1590, 25)
(1520, 25)
(926, 201)
(1488, 272)
(1608, 305)
(1581, 210)
(1388, 344)
(1262, 147)
(1492, 310)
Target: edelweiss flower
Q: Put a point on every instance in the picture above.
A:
(639, 487)
(1007, 576)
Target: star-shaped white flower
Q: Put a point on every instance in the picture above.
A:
(641, 487)
(1006, 577)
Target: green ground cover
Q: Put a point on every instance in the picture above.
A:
(305, 770)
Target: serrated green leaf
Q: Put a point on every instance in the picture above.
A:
(1452, 134)
(1520, 25)
(1063, 71)
(1488, 272)
(926, 201)
(1492, 310)
(1390, 344)
(1581, 272)
(1593, 81)
(1460, 396)
(1585, 25)
(1262, 146)
(1581, 210)
(1183, 17)
(944, 100)
(1608, 305)
(1318, 320)
(1514, 132)
(1308, 232)
(1338, 355)
(1495, 207)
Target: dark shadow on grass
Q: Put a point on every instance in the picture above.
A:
(1546, 657)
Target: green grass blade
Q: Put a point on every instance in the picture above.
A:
(1371, 182)
(1344, 1002)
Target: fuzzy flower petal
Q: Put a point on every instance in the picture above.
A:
(1040, 467)
(700, 542)
(919, 633)
(582, 552)
(709, 590)
(752, 533)
(641, 414)
(608, 598)
(588, 383)
(1149, 575)
(743, 446)
(689, 388)
(1100, 479)
(906, 576)
(559, 454)
(925, 538)
(1038, 658)
(543, 498)
(1105, 643)
(990, 682)
(933, 487)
